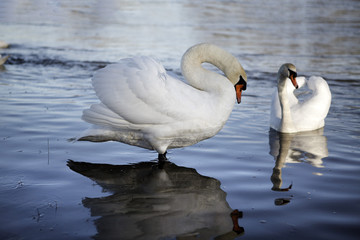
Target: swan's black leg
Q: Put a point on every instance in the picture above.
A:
(162, 157)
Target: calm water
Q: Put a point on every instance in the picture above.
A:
(116, 191)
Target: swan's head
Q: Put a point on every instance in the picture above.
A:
(240, 86)
(286, 71)
(239, 78)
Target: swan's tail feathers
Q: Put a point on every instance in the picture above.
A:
(99, 114)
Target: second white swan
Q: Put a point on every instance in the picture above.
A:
(288, 114)
(141, 105)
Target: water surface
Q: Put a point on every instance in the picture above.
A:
(116, 191)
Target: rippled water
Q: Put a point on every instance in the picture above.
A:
(115, 191)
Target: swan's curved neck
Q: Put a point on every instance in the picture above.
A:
(202, 78)
(286, 119)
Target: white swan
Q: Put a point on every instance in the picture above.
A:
(288, 114)
(142, 105)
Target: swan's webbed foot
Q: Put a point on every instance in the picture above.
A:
(162, 157)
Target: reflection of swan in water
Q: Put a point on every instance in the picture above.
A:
(153, 200)
(308, 147)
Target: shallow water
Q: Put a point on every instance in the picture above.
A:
(45, 85)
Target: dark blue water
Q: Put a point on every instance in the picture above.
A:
(55, 47)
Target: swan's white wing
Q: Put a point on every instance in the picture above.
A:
(313, 110)
(140, 91)
(99, 114)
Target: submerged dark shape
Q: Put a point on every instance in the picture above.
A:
(156, 200)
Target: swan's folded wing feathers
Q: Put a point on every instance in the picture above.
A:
(99, 114)
(140, 91)
(315, 106)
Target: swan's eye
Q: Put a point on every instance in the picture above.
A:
(292, 73)
(241, 82)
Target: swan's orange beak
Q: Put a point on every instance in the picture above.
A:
(238, 89)
(293, 80)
